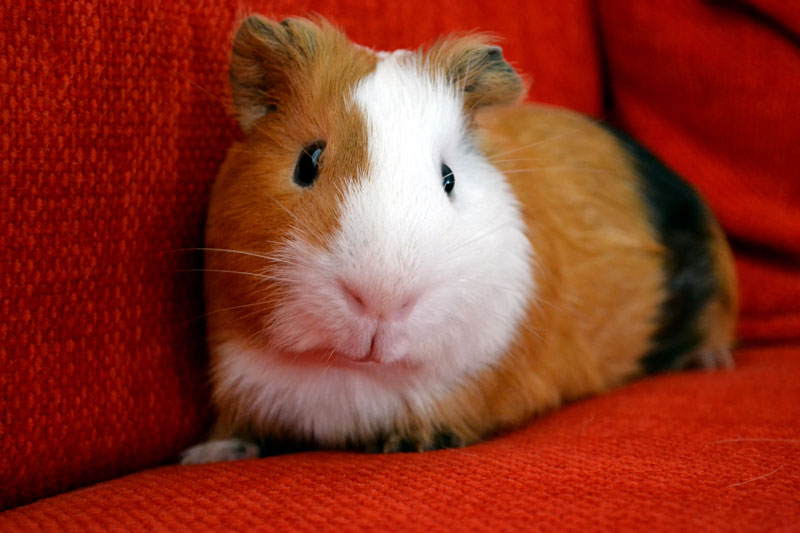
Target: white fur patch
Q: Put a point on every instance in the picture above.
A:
(464, 259)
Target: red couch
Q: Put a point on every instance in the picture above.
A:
(113, 126)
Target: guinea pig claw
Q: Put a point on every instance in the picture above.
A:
(215, 451)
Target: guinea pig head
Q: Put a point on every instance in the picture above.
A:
(357, 228)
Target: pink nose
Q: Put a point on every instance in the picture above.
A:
(361, 305)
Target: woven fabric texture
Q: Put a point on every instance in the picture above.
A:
(666, 452)
(113, 126)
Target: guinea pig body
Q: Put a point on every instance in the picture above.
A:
(400, 258)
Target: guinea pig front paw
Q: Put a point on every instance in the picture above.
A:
(716, 359)
(215, 451)
(439, 440)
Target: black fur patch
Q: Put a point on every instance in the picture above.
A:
(444, 439)
(683, 224)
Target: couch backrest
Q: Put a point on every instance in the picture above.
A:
(113, 126)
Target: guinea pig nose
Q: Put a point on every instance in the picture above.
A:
(360, 304)
(404, 311)
(354, 300)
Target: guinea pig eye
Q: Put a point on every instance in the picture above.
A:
(448, 179)
(307, 168)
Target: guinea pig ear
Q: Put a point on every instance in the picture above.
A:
(268, 59)
(478, 68)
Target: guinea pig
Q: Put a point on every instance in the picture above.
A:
(401, 256)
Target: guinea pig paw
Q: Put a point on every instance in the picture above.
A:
(444, 439)
(439, 440)
(719, 359)
(405, 443)
(215, 451)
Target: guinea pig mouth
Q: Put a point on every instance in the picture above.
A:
(323, 358)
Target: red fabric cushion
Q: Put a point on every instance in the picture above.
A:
(695, 451)
(114, 125)
(113, 128)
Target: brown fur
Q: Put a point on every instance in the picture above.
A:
(599, 271)
(718, 322)
(474, 65)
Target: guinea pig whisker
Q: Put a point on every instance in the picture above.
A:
(475, 239)
(533, 332)
(471, 282)
(301, 225)
(477, 103)
(745, 439)
(565, 168)
(551, 138)
(242, 252)
(521, 324)
(217, 311)
(251, 313)
(496, 161)
(209, 94)
(223, 271)
(539, 300)
(264, 332)
(328, 359)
